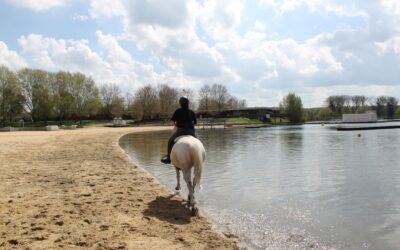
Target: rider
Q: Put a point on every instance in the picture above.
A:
(184, 119)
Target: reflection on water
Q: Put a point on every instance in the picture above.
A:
(294, 187)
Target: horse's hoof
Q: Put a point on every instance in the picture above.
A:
(195, 211)
(177, 188)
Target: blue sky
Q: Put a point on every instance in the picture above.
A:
(260, 50)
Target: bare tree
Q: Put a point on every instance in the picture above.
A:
(189, 93)
(219, 95)
(235, 103)
(391, 106)
(129, 101)
(146, 101)
(380, 103)
(347, 106)
(204, 98)
(336, 103)
(113, 102)
(358, 102)
(167, 100)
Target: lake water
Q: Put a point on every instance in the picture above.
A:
(294, 187)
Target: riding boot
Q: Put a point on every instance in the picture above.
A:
(166, 159)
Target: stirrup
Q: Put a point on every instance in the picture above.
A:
(166, 159)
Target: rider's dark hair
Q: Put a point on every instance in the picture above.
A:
(184, 102)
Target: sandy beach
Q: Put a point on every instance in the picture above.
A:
(77, 189)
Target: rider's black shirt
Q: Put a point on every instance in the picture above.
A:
(184, 118)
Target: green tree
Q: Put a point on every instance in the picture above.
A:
(63, 100)
(292, 106)
(325, 114)
(36, 88)
(391, 106)
(25, 78)
(381, 102)
(398, 112)
(311, 114)
(86, 96)
(337, 103)
(42, 95)
(11, 98)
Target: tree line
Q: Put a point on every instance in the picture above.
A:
(38, 95)
(386, 107)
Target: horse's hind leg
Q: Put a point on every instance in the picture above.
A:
(195, 210)
(178, 180)
(187, 176)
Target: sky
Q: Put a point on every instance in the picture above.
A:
(259, 49)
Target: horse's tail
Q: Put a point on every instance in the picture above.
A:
(198, 168)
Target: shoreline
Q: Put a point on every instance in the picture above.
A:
(218, 228)
(73, 189)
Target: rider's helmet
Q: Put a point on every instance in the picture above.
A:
(184, 102)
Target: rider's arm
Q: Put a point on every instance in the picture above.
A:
(194, 118)
(174, 118)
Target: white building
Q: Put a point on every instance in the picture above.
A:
(369, 116)
(118, 121)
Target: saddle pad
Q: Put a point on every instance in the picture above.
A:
(179, 137)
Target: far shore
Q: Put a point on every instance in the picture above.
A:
(74, 189)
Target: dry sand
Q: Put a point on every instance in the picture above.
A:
(77, 189)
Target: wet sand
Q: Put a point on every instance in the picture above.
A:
(77, 189)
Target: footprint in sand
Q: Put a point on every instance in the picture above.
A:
(59, 223)
(13, 242)
(37, 228)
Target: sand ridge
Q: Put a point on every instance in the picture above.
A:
(77, 189)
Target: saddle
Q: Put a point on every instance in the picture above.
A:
(180, 137)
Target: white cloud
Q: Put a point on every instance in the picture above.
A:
(339, 7)
(259, 26)
(281, 6)
(390, 45)
(193, 42)
(365, 59)
(392, 6)
(37, 5)
(257, 59)
(76, 55)
(106, 8)
(11, 58)
(115, 52)
(172, 38)
(221, 18)
(82, 18)
(170, 14)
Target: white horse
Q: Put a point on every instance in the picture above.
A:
(188, 152)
